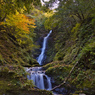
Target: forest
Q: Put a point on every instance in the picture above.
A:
(70, 52)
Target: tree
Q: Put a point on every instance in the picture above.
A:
(11, 6)
(21, 25)
(70, 12)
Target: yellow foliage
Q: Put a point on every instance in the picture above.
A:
(20, 21)
(19, 27)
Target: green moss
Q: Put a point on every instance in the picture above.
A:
(59, 55)
(8, 88)
(57, 70)
(13, 81)
(84, 80)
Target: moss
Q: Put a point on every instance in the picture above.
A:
(59, 55)
(84, 81)
(3, 86)
(88, 55)
(13, 81)
(8, 88)
(58, 71)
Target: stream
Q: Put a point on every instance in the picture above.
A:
(40, 79)
(42, 55)
(37, 74)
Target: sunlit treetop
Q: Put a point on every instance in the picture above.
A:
(20, 21)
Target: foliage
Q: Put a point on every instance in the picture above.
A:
(69, 12)
(20, 24)
(84, 81)
(16, 47)
(73, 41)
(59, 69)
(20, 21)
(8, 7)
(50, 23)
(40, 18)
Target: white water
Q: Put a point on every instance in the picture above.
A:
(39, 78)
(36, 74)
(41, 56)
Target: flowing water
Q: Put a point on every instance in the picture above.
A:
(41, 56)
(37, 74)
(40, 79)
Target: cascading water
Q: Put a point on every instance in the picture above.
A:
(41, 56)
(38, 76)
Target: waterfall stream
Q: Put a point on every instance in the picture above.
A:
(40, 79)
(41, 56)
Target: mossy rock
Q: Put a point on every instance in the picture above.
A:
(57, 71)
(8, 88)
(35, 63)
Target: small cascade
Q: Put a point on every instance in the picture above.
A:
(41, 56)
(39, 78)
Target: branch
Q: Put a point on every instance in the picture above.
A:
(66, 79)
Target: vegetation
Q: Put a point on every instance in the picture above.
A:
(16, 47)
(73, 41)
(24, 22)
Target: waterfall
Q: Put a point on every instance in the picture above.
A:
(41, 56)
(39, 78)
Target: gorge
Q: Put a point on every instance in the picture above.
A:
(26, 42)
